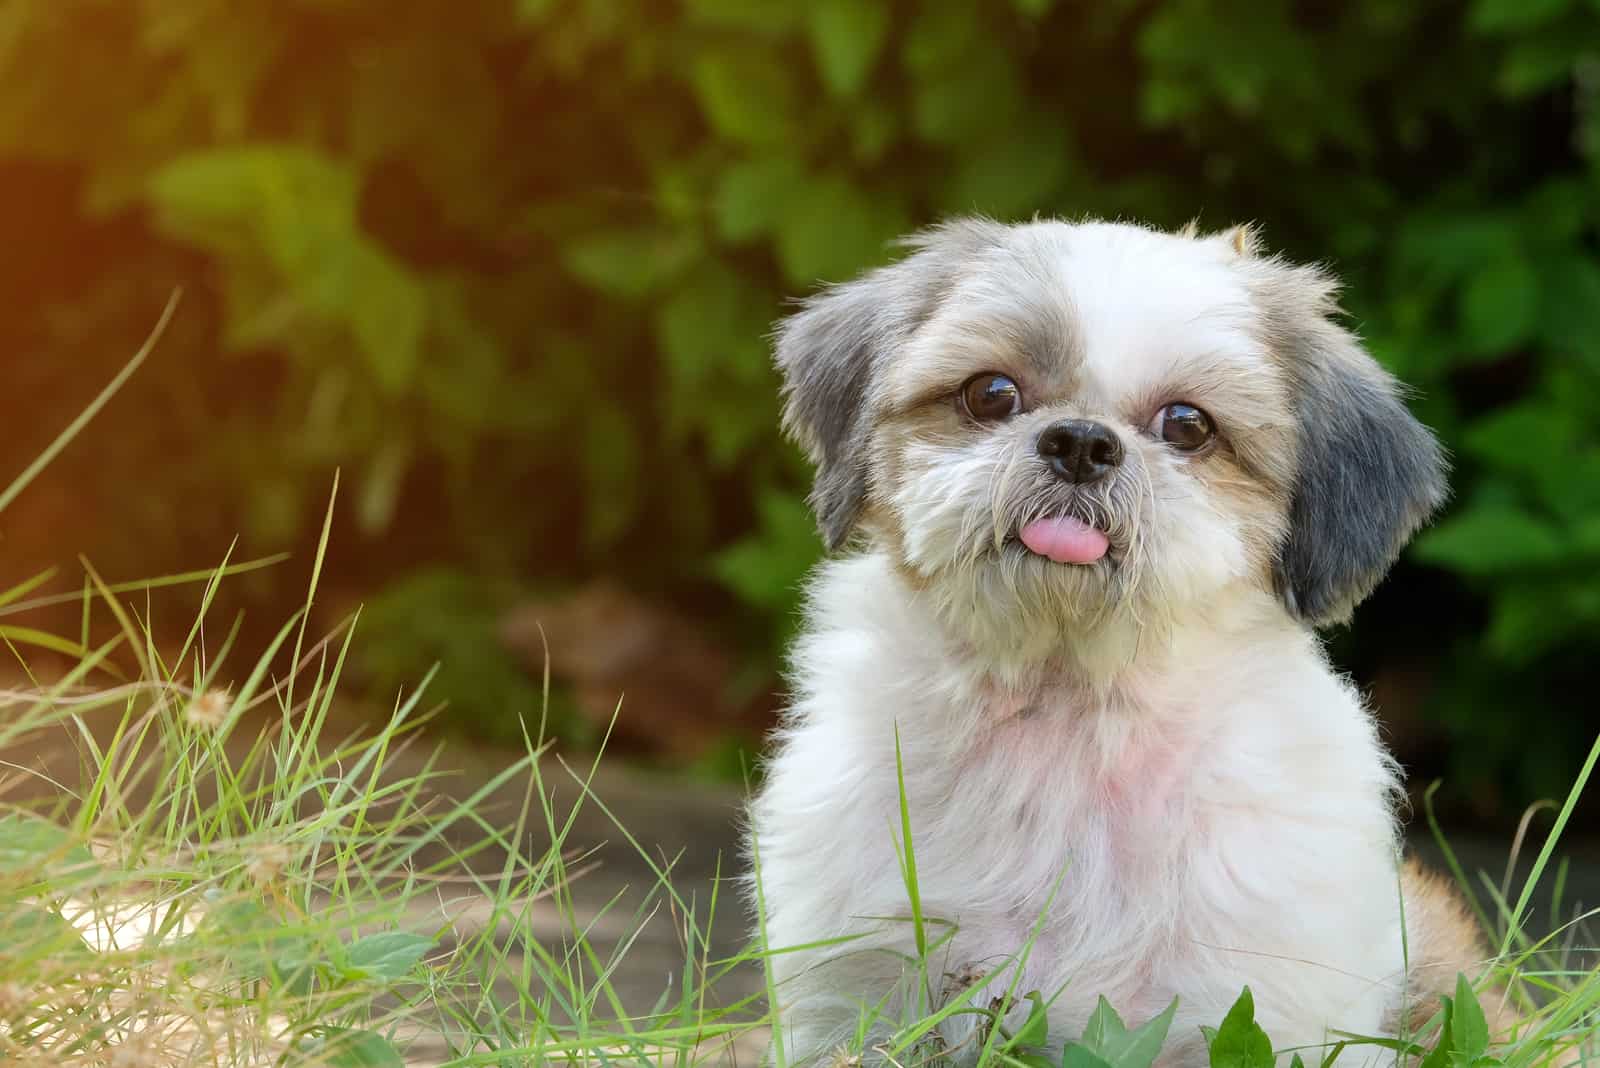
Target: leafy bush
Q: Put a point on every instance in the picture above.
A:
(447, 619)
(515, 261)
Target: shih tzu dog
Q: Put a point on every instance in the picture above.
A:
(1103, 484)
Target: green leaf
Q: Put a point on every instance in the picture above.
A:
(293, 213)
(296, 974)
(1469, 1031)
(874, 129)
(1033, 9)
(1445, 248)
(1036, 1060)
(452, 135)
(1570, 293)
(834, 230)
(387, 308)
(1555, 212)
(766, 568)
(752, 195)
(941, 36)
(1077, 1056)
(847, 36)
(1522, 438)
(1586, 532)
(769, 18)
(33, 933)
(1035, 1030)
(1140, 1048)
(343, 1047)
(390, 955)
(293, 205)
(1489, 539)
(1165, 102)
(610, 452)
(1441, 1054)
(1240, 1042)
(962, 105)
(1500, 305)
(747, 97)
(1107, 1039)
(1528, 621)
(1502, 15)
(263, 946)
(1103, 1027)
(1013, 176)
(532, 12)
(1536, 64)
(720, 384)
(712, 331)
(380, 488)
(39, 849)
(631, 262)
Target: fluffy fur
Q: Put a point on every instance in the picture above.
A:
(1147, 760)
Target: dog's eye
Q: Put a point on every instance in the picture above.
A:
(989, 396)
(1183, 426)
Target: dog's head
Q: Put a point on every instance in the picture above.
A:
(1049, 423)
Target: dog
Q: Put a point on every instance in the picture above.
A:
(1100, 487)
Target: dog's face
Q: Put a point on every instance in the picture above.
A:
(1052, 424)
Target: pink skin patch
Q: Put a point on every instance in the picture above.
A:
(1065, 540)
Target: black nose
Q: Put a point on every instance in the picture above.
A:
(1080, 451)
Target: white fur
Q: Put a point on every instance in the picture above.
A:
(1226, 822)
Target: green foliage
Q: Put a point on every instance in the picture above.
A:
(512, 265)
(1107, 1042)
(343, 1047)
(33, 850)
(1463, 1032)
(449, 619)
(1240, 1042)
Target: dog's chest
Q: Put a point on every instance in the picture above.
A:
(1093, 839)
(1054, 786)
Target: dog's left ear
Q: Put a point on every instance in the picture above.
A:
(1368, 475)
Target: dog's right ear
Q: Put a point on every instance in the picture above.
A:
(827, 352)
(831, 351)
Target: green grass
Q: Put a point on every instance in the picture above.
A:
(213, 873)
(220, 877)
(209, 872)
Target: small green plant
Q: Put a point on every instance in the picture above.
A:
(1239, 1042)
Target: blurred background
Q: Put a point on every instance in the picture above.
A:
(510, 265)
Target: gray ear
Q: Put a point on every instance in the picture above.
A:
(1369, 474)
(827, 352)
(832, 350)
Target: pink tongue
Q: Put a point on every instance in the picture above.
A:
(1065, 540)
